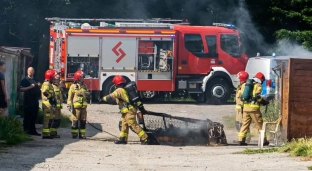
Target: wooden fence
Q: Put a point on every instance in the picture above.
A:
(296, 98)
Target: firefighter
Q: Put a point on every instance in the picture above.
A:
(77, 103)
(242, 76)
(59, 105)
(48, 103)
(251, 109)
(128, 112)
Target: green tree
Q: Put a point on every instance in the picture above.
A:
(295, 19)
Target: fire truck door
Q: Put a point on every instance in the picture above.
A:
(193, 54)
(118, 53)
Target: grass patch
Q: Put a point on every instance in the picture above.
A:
(298, 147)
(309, 167)
(65, 121)
(258, 151)
(11, 131)
(272, 112)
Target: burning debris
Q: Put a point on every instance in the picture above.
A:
(172, 130)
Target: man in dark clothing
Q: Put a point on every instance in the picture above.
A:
(3, 94)
(31, 88)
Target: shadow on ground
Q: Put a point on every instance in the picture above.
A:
(26, 155)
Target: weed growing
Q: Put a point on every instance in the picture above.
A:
(257, 151)
(11, 131)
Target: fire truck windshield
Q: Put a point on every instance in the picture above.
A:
(230, 45)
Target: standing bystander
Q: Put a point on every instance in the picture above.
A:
(31, 88)
(3, 94)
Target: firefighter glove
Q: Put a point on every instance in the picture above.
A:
(256, 98)
(265, 102)
(142, 109)
(46, 94)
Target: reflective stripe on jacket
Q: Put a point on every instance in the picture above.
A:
(122, 99)
(256, 91)
(46, 88)
(238, 95)
(77, 95)
(58, 96)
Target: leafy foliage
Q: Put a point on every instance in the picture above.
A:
(295, 20)
(11, 131)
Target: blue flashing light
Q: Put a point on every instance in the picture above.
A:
(51, 38)
(273, 54)
(230, 26)
(172, 35)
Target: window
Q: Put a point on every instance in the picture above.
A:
(193, 43)
(211, 44)
(229, 44)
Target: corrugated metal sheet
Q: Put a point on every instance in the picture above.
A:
(14, 58)
(297, 99)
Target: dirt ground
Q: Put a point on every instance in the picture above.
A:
(99, 153)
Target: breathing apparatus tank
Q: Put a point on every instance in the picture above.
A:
(247, 92)
(132, 93)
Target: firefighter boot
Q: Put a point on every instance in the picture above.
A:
(74, 129)
(82, 130)
(146, 142)
(47, 134)
(122, 140)
(54, 128)
(243, 142)
(266, 142)
(82, 136)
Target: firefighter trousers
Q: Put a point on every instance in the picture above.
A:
(128, 120)
(79, 121)
(56, 121)
(248, 116)
(239, 123)
(48, 113)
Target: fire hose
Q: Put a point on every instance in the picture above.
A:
(99, 129)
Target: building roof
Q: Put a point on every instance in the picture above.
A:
(14, 50)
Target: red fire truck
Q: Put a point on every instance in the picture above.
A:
(160, 55)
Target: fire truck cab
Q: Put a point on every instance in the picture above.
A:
(160, 55)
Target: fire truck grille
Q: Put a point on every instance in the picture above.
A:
(165, 129)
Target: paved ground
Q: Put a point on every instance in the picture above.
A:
(99, 153)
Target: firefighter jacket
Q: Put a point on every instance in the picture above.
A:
(121, 97)
(77, 95)
(238, 101)
(256, 98)
(47, 93)
(58, 96)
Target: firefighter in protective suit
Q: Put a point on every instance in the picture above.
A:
(77, 103)
(59, 105)
(251, 110)
(242, 76)
(128, 112)
(48, 103)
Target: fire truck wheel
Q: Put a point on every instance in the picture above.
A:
(217, 91)
(148, 95)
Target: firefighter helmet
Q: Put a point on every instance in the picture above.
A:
(243, 76)
(118, 79)
(49, 75)
(260, 76)
(78, 74)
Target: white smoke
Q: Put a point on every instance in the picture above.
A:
(292, 49)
